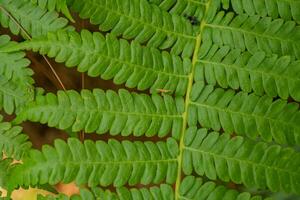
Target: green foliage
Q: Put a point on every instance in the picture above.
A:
(215, 103)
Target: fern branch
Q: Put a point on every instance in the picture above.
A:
(254, 33)
(13, 143)
(245, 114)
(99, 112)
(193, 188)
(109, 57)
(274, 76)
(35, 20)
(97, 163)
(139, 20)
(241, 161)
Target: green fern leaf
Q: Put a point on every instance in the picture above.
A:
(274, 8)
(51, 5)
(136, 66)
(33, 19)
(273, 75)
(245, 114)
(253, 33)
(142, 21)
(193, 188)
(241, 161)
(16, 83)
(98, 163)
(99, 112)
(13, 143)
(164, 192)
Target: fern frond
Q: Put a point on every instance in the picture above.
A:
(35, 20)
(288, 10)
(255, 164)
(99, 163)
(108, 57)
(164, 192)
(142, 21)
(254, 33)
(16, 83)
(186, 8)
(13, 143)
(123, 113)
(273, 75)
(245, 114)
(192, 188)
(51, 5)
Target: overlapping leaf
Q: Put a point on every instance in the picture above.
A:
(99, 163)
(123, 113)
(254, 164)
(245, 114)
(110, 58)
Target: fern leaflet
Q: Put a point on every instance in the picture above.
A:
(97, 111)
(97, 163)
(262, 74)
(136, 66)
(241, 161)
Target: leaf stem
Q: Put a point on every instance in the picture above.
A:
(187, 101)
